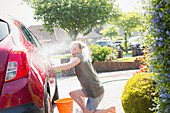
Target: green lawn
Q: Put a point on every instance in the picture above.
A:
(127, 59)
(62, 56)
(57, 71)
(129, 52)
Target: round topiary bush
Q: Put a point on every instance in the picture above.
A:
(138, 94)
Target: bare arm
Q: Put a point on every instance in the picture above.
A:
(68, 65)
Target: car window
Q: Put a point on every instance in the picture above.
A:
(4, 30)
(111, 44)
(35, 39)
(101, 43)
(29, 36)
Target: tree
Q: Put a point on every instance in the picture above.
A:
(128, 22)
(74, 16)
(110, 31)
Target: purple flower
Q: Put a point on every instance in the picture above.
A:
(155, 70)
(161, 39)
(164, 89)
(157, 38)
(162, 96)
(167, 109)
(168, 75)
(168, 11)
(158, 6)
(165, 52)
(162, 81)
(156, 25)
(162, 30)
(154, 33)
(161, 14)
(153, 42)
(152, 14)
(164, 24)
(164, 100)
(157, 21)
(160, 44)
(157, 30)
(168, 95)
(168, 33)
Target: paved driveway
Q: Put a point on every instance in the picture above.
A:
(113, 83)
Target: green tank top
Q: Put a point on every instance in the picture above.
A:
(88, 77)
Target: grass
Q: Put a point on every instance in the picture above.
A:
(127, 59)
(129, 52)
(57, 71)
(62, 56)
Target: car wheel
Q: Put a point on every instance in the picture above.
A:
(48, 104)
(56, 96)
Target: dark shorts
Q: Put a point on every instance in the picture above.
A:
(92, 103)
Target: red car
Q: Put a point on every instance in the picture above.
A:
(25, 85)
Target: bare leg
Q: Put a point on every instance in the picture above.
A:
(83, 97)
(77, 97)
(109, 110)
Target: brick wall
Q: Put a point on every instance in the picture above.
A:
(105, 66)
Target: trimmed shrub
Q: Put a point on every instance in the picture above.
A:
(99, 53)
(138, 94)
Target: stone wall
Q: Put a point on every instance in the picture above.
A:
(105, 66)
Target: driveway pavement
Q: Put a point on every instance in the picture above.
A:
(113, 83)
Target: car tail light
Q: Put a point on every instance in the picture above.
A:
(17, 65)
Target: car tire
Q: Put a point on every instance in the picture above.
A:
(48, 104)
(56, 95)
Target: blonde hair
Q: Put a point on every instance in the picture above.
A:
(81, 38)
(80, 44)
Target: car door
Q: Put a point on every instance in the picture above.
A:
(5, 48)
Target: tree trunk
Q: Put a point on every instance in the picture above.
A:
(126, 42)
(73, 35)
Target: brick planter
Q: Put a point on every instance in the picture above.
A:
(106, 66)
